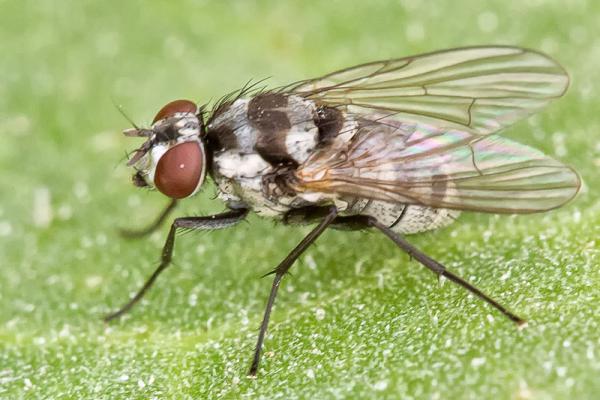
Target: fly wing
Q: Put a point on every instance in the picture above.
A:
(477, 89)
(418, 164)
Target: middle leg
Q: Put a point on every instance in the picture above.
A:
(212, 222)
(279, 272)
(153, 226)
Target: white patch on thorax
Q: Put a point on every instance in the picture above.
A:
(234, 165)
(300, 143)
(236, 118)
(240, 179)
(303, 136)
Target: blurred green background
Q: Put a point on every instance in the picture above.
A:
(357, 319)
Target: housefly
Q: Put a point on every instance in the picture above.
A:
(399, 146)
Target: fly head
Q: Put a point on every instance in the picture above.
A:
(173, 158)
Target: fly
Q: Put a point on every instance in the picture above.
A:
(400, 146)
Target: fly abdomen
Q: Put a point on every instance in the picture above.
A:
(406, 218)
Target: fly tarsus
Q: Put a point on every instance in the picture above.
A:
(441, 270)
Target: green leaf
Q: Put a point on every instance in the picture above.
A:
(357, 318)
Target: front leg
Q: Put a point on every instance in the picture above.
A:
(154, 225)
(211, 222)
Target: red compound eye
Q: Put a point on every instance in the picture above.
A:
(179, 170)
(177, 106)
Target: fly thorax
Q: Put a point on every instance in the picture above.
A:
(256, 143)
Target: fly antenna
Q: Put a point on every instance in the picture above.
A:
(122, 112)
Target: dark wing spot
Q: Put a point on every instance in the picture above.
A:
(438, 186)
(329, 121)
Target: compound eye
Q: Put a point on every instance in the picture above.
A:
(180, 170)
(174, 107)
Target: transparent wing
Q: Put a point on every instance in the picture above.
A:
(478, 89)
(423, 165)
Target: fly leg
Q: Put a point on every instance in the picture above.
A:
(314, 214)
(279, 272)
(438, 268)
(131, 234)
(211, 222)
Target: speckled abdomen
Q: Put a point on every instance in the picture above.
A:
(405, 218)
